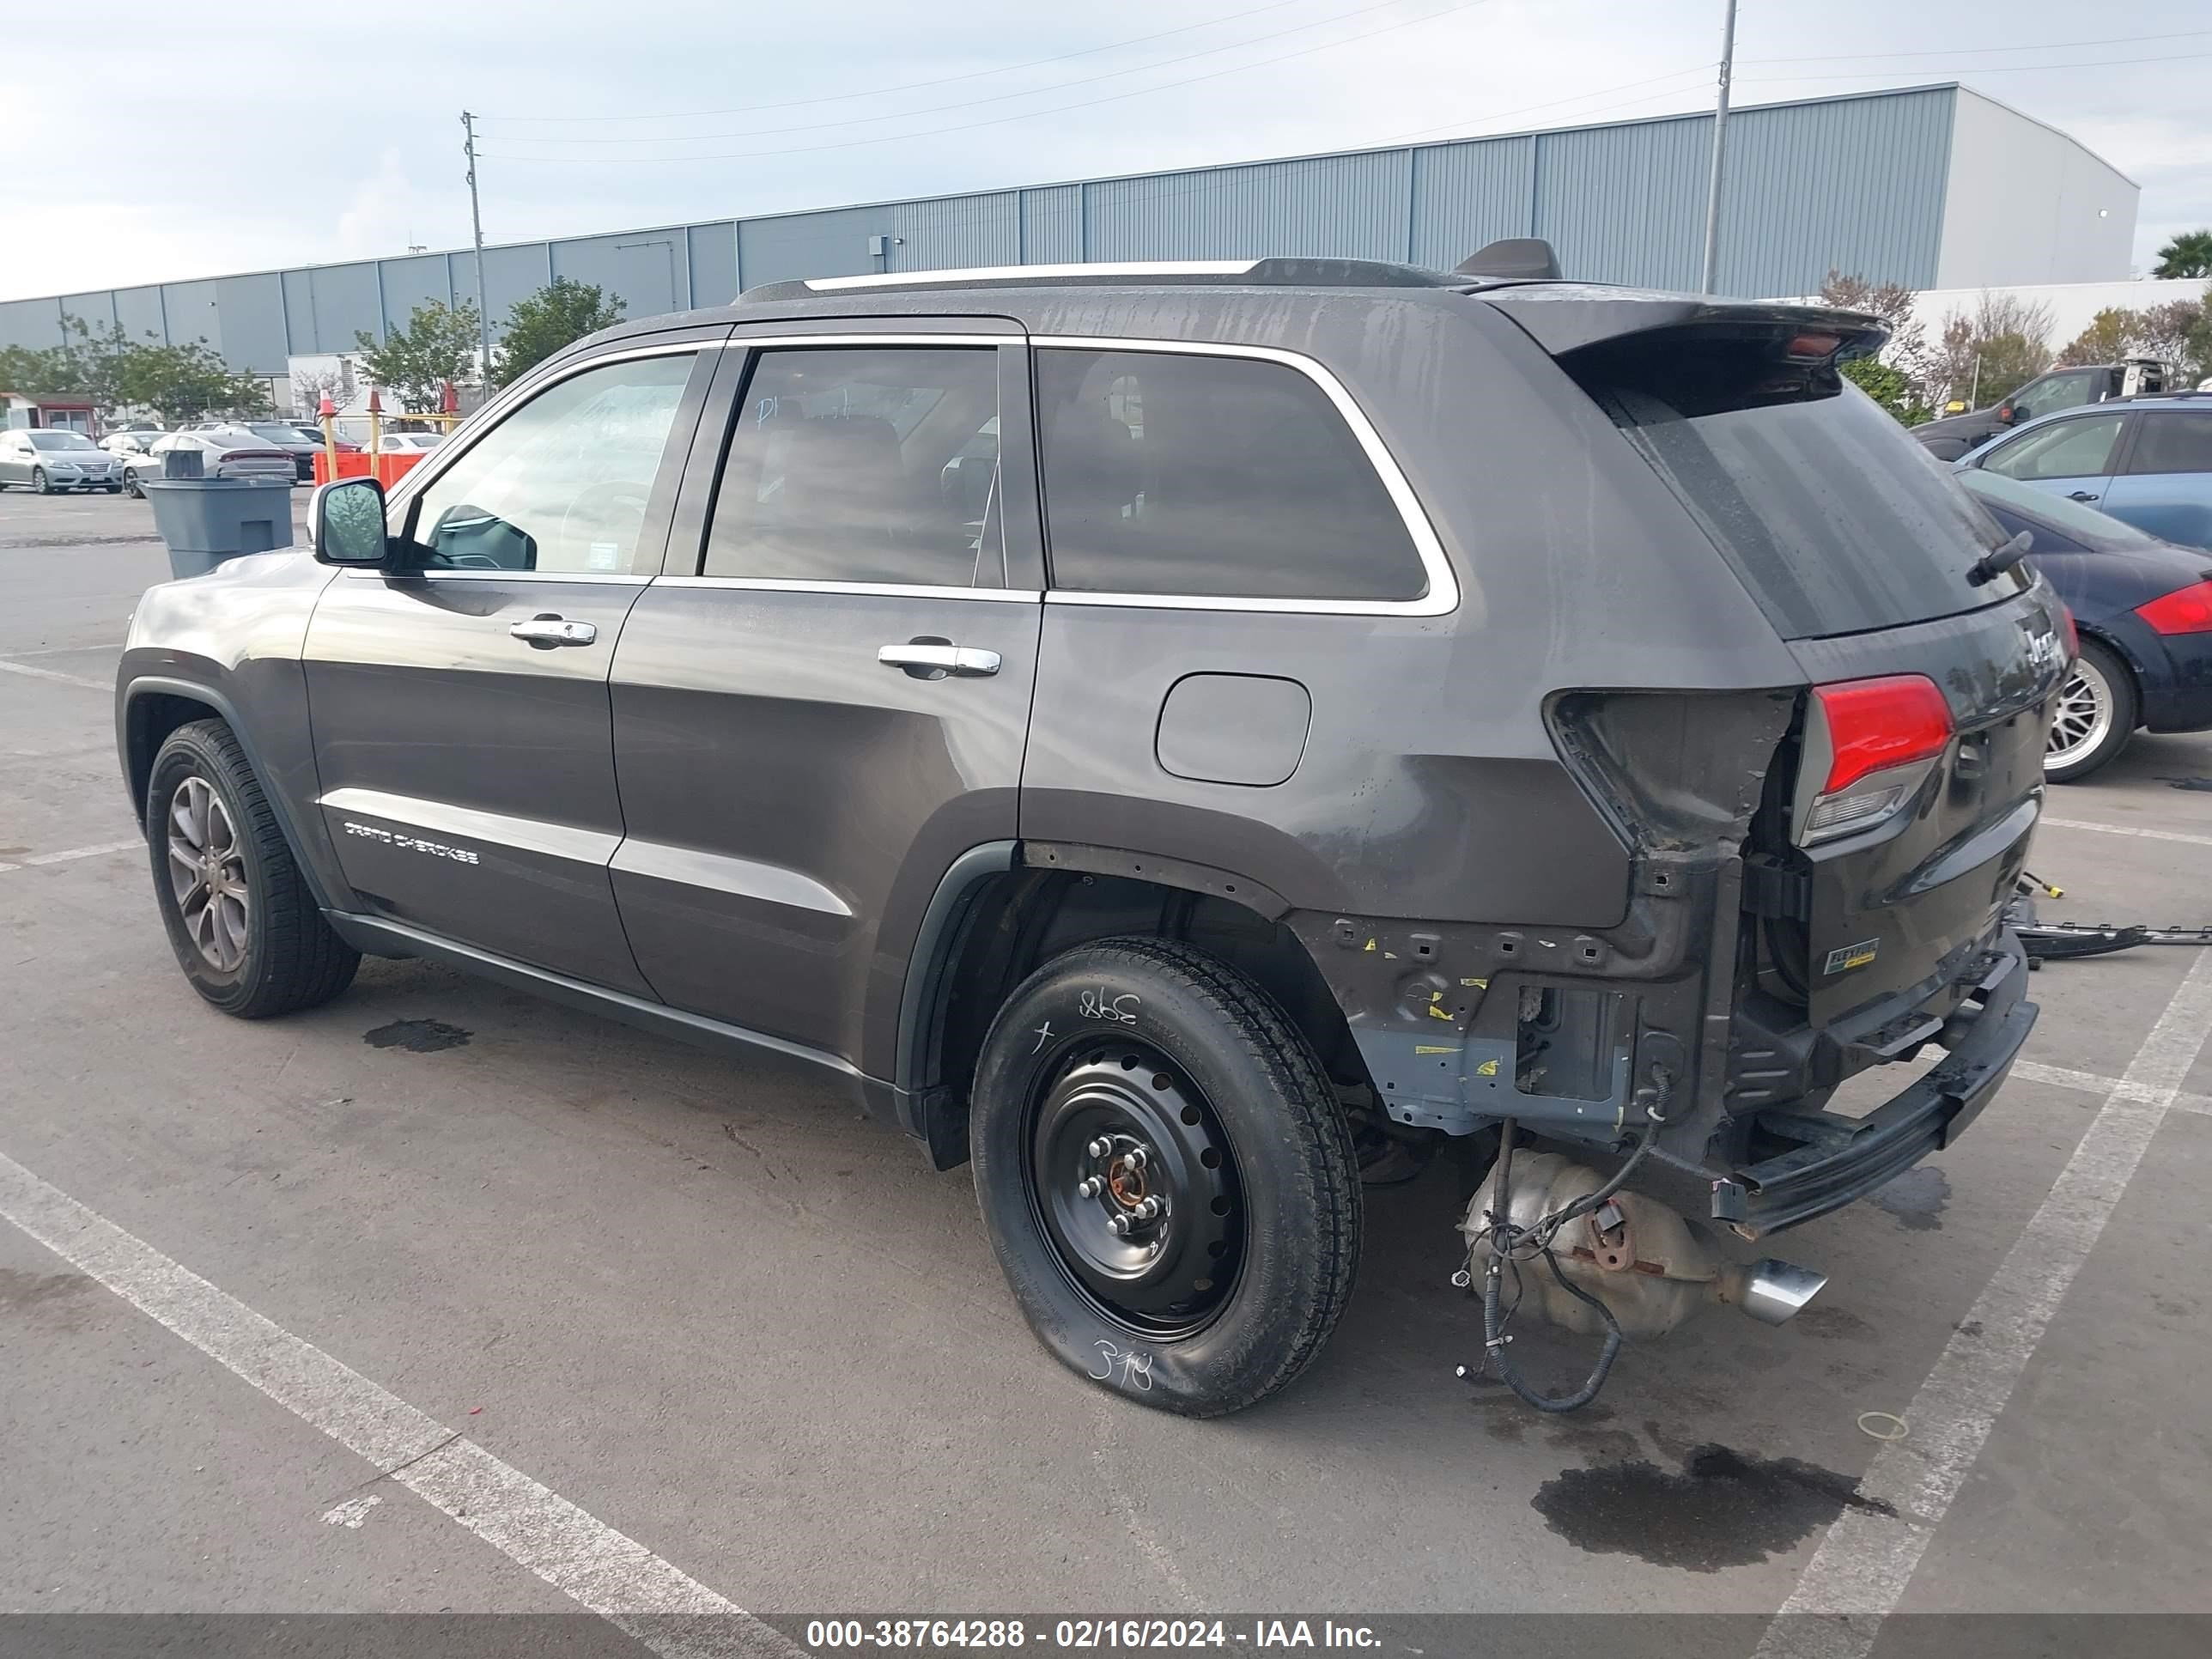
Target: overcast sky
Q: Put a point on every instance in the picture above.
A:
(169, 142)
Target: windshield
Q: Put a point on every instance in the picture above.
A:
(56, 439)
(2085, 525)
(280, 434)
(1835, 520)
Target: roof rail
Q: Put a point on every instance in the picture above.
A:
(1240, 273)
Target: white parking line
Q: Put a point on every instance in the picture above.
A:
(55, 674)
(71, 854)
(1865, 1560)
(2136, 831)
(613, 1575)
(2062, 1076)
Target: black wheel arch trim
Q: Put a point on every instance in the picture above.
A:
(218, 703)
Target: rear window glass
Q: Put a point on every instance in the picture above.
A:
(1835, 520)
(1197, 475)
(2173, 441)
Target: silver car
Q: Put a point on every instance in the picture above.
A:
(226, 452)
(134, 440)
(48, 458)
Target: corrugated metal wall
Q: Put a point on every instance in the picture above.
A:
(1855, 182)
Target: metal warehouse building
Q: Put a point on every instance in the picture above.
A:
(1933, 186)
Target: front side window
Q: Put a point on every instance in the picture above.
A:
(2174, 440)
(863, 463)
(2056, 392)
(2072, 449)
(561, 485)
(1203, 476)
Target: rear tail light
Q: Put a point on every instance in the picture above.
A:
(1872, 743)
(2185, 610)
(2070, 634)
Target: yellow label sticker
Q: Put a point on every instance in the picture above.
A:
(1476, 984)
(1370, 944)
(1488, 1068)
(1436, 1047)
(1435, 1013)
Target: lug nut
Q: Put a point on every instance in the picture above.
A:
(1148, 1209)
(1135, 1157)
(1120, 1224)
(1099, 1148)
(1089, 1187)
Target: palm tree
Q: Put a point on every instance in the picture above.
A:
(2188, 254)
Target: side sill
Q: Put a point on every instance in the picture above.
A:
(375, 936)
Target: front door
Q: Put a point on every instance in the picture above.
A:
(2164, 485)
(2071, 458)
(459, 705)
(824, 703)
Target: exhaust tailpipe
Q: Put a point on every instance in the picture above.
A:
(1653, 1268)
(1772, 1293)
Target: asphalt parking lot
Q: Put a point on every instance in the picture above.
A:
(731, 1324)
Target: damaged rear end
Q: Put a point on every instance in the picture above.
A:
(1821, 868)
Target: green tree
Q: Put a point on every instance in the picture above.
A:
(2188, 254)
(438, 344)
(186, 382)
(2109, 338)
(1890, 387)
(556, 316)
(37, 373)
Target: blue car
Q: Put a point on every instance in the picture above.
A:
(2146, 460)
(2143, 608)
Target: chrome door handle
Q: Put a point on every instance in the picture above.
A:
(544, 633)
(936, 661)
(2080, 495)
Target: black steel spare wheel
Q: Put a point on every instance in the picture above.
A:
(1135, 1185)
(1167, 1180)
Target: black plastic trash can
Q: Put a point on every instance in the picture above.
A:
(207, 521)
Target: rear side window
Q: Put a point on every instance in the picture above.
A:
(873, 464)
(2080, 449)
(1834, 518)
(1200, 475)
(2174, 440)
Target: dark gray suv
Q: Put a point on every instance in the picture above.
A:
(1157, 732)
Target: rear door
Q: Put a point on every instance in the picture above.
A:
(824, 703)
(2164, 485)
(2073, 457)
(460, 706)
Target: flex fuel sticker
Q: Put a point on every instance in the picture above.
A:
(1853, 956)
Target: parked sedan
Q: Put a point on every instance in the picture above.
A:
(48, 458)
(226, 452)
(2144, 610)
(408, 443)
(131, 440)
(2147, 460)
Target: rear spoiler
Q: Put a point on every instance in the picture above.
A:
(1566, 317)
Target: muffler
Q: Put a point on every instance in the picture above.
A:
(1652, 1266)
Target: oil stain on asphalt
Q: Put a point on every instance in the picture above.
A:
(1916, 1198)
(417, 1036)
(1722, 1509)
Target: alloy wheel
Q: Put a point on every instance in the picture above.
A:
(1137, 1188)
(207, 874)
(2086, 704)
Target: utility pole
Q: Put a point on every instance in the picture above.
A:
(476, 221)
(1711, 274)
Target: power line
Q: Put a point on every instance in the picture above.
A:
(1953, 51)
(997, 120)
(914, 86)
(969, 103)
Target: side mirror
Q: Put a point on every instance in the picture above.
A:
(346, 522)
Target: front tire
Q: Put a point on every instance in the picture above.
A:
(1165, 1174)
(2098, 712)
(130, 487)
(39, 484)
(244, 927)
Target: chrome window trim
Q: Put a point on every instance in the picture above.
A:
(882, 589)
(900, 337)
(1443, 595)
(601, 579)
(1013, 273)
